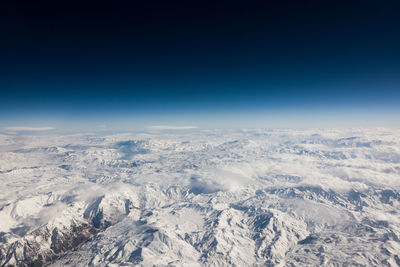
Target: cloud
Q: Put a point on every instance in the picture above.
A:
(218, 180)
(169, 127)
(24, 128)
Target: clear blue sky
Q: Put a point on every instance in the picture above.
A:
(231, 64)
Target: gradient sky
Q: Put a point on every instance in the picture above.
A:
(112, 64)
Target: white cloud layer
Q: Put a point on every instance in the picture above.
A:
(170, 127)
(25, 128)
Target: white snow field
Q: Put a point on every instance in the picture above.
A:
(202, 198)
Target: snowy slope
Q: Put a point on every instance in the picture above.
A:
(206, 198)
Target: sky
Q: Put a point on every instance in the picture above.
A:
(209, 64)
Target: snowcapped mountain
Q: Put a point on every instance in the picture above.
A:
(207, 198)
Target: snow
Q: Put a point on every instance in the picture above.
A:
(217, 197)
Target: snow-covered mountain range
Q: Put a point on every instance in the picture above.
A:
(203, 198)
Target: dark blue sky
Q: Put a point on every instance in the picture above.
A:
(231, 63)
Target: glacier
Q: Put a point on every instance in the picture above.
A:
(250, 197)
